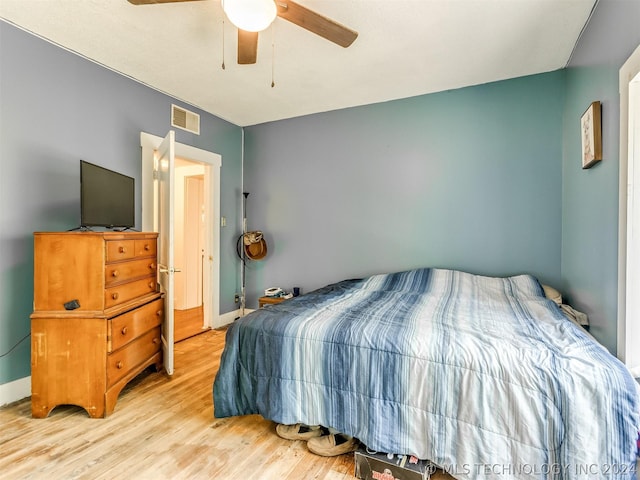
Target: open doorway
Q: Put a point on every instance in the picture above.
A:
(189, 241)
(158, 184)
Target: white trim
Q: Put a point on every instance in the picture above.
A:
(628, 215)
(229, 317)
(14, 391)
(149, 144)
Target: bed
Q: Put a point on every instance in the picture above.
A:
(483, 376)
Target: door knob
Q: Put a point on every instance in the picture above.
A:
(163, 269)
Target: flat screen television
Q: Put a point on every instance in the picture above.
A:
(107, 198)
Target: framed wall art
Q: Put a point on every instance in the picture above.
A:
(591, 132)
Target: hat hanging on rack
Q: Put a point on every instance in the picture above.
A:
(255, 246)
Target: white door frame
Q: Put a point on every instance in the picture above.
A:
(213, 163)
(629, 216)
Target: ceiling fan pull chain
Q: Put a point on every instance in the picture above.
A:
(223, 67)
(273, 53)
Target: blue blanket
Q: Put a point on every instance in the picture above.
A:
(483, 376)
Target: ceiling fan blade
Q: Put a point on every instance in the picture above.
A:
(247, 47)
(151, 2)
(316, 23)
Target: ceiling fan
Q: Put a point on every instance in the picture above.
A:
(288, 10)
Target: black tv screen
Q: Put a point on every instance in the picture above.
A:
(107, 198)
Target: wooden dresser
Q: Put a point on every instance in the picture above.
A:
(85, 355)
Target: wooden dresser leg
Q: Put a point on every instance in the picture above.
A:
(39, 410)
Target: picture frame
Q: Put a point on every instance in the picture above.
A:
(591, 135)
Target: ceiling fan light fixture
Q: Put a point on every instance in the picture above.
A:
(250, 15)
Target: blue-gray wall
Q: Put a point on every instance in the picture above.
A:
(55, 109)
(468, 179)
(590, 197)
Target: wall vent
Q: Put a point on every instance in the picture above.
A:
(185, 119)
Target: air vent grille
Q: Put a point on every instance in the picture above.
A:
(185, 119)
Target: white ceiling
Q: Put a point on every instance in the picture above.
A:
(404, 48)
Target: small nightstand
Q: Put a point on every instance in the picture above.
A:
(262, 301)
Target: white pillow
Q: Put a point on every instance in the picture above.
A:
(552, 294)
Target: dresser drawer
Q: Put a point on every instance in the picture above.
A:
(125, 271)
(145, 248)
(126, 327)
(121, 362)
(120, 250)
(128, 291)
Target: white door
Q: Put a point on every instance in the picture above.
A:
(166, 267)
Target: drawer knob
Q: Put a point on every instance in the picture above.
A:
(159, 313)
(114, 273)
(119, 365)
(124, 330)
(152, 285)
(147, 247)
(156, 340)
(122, 249)
(115, 295)
(152, 266)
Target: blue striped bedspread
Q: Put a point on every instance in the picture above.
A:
(483, 376)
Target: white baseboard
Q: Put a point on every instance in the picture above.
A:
(227, 318)
(230, 317)
(14, 391)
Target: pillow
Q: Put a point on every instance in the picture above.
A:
(572, 314)
(552, 294)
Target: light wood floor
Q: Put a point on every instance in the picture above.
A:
(187, 323)
(161, 429)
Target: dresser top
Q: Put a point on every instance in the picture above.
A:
(105, 235)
